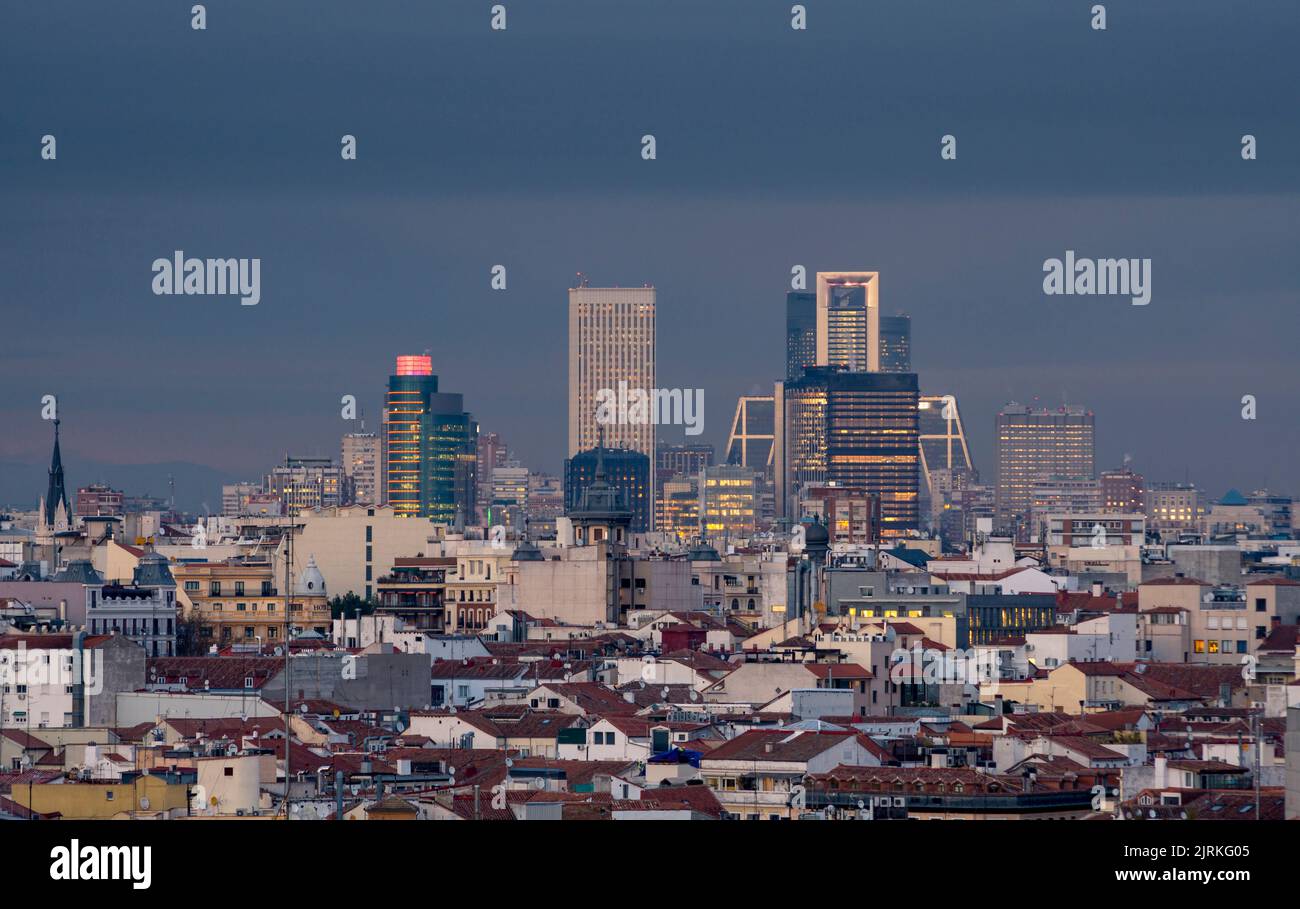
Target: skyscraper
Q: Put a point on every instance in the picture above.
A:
(800, 332)
(611, 340)
(852, 429)
(432, 445)
(848, 320)
(683, 460)
(622, 469)
(896, 343)
(360, 460)
(1034, 444)
(753, 432)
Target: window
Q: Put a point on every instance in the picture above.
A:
(248, 681)
(239, 588)
(214, 588)
(191, 585)
(229, 771)
(1261, 604)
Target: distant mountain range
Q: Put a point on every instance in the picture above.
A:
(197, 485)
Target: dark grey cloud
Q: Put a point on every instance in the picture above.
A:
(521, 148)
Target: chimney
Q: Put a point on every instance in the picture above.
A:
(1096, 588)
(767, 747)
(1162, 772)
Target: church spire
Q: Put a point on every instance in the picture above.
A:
(55, 492)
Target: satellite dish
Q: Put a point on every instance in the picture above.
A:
(213, 801)
(144, 802)
(695, 695)
(509, 762)
(539, 783)
(451, 771)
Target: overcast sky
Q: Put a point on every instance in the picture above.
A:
(775, 148)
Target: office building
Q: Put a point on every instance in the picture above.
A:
(852, 429)
(800, 332)
(896, 343)
(432, 446)
(848, 320)
(360, 460)
(682, 460)
(729, 502)
(1033, 444)
(304, 484)
(611, 341)
(625, 470)
(677, 509)
(1122, 491)
(1173, 508)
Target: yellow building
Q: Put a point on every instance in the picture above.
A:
(241, 601)
(147, 796)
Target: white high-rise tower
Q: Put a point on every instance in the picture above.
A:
(611, 341)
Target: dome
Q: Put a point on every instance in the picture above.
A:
(527, 551)
(311, 583)
(703, 552)
(79, 571)
(815, 533)
(152, 571)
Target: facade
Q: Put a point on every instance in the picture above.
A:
(242, 601)
(729, 502)
(305, 484)
(98, 499)
(626, 470)
(682, 460)
(432, 446)
(1122, 491)
(545, 504)
(360, 460)
(848, 320)
(353, 546)
(235, 498)
(415, 591)
(896, 343)
(677, 508)
(1033, 444)
(611, 340)
(1173, 508)
(800, 333)
(856, 430)
(851, 516)
(145, 612)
